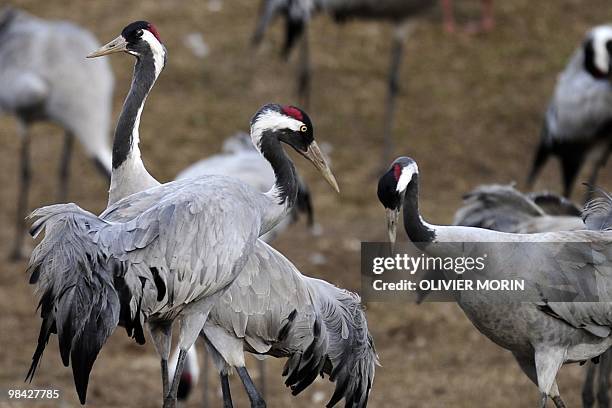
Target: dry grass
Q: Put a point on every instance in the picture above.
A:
(470, 113)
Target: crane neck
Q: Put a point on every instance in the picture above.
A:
(129, 174)
(284, 191)
(127, 137)
(417, 229)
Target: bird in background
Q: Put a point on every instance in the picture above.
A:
(92, 272)
(578, 121)
(487, 20)
(503, 208)
(45, 78)
(298, 13)
(540, 327)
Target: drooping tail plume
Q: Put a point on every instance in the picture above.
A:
(351, 352)
(78, 301)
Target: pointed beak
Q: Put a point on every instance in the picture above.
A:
(316, 157)
(392, 217)
(117, 45)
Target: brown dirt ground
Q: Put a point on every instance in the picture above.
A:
(470, 113)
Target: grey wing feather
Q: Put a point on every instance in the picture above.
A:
(78, 300)
(351, 348)
(190, 220)
(597, 213)
(496, 207)
(583, 273)
(321, 328)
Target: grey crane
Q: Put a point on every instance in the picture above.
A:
(299, 12)
(542, 334)
(503, 208)
(187, 243)
(240, 159)
(44, 77)
(579, 116)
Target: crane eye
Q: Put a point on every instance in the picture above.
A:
(303, 128)
(139, 33)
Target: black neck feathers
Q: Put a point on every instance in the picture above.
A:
(415, 228)
(284, 170)
(142, 82)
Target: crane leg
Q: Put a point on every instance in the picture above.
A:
(588, 399)
(547, 364)
(256, 399)
(225, 388)
(449, 16)
(170, 397)
(393, 88)
(603, 381)
(64, 170)
(304, 73)
(205, 384)
(22, 195)
(262, 377)
(162, 340)
(599, 164)
(488, 21)
(192, 322)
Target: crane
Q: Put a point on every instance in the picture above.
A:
(42, 79)
(503, 208)
(137, 271)
(578, 120)
(299, 12)
(542, 333)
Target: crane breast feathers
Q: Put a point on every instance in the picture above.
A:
(189, 230)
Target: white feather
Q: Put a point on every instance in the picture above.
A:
(406, 176)
(158, 50)
(601, 35)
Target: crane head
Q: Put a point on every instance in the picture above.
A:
(140, 39)
(292, 126)
(392, 187)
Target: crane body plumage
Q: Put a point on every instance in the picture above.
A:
(579, 116)
(542, 334)
(44, 77)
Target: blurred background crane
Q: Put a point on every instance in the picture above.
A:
(402, 13)
(44, 77)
